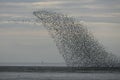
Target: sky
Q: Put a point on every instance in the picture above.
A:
(23, 41)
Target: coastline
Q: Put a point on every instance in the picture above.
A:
(61, 69)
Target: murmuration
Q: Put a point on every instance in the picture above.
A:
(76, 44)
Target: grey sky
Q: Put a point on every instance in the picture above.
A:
(25, 42)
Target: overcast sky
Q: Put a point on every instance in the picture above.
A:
(28, 42)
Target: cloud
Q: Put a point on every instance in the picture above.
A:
(24, 33)
(13, 29)
(9, 15)
(93, 6)
(98, 24)
(46, 3)
(96, 15)
(42, 3)
(104, 30)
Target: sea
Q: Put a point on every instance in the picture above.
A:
(51, 74)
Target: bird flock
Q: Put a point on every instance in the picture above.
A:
(75, 43)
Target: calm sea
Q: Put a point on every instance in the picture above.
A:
(54, 75)
(58, 76)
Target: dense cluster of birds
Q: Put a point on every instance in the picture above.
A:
(75, 43)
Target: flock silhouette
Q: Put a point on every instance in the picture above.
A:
(76, 44)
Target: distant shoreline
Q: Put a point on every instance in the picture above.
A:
(61, 69)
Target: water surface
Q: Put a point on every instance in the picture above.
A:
(58, 76)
